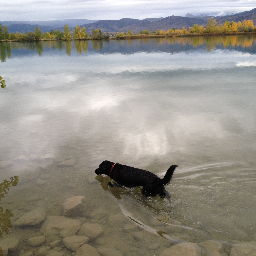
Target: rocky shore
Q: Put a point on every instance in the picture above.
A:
(72, 234)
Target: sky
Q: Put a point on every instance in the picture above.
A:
(35, 10)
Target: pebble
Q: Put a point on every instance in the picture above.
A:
(41, 182)
(36, 241)
(183, 249)
(242, 249)
(55, 243)
(67, 163)
(74, 206)
(31, 218)
(90, 230)
(9, 244)
(60, 226)
(109, 252)
(74, 242)
(87, 250)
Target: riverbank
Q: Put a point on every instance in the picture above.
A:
(141, 36)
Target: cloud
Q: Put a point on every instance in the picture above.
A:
(110, 9)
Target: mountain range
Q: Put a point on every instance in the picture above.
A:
(123, 25)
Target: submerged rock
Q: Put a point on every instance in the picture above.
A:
(36, 241)
(242, 249)
(9, 244)
(87, 250)
(67, 163)
(74, 206)
(32, 218)
(60, 226)
(183, 249)
(42, 251)
(74, 242)
(109, 252)
(91, 230)
(212, 248)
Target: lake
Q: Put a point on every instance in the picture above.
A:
(149, 103)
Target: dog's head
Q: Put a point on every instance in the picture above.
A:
(104, 168)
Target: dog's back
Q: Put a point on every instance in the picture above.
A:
(131, 177)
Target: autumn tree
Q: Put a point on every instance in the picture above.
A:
(211, 25)
(83, 33)
(96, 34)
(67, 34)
(77, 32)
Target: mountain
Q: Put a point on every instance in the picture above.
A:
(45, 26)
(123, 25)
(170, 22)
(248, 15)
(146, 24)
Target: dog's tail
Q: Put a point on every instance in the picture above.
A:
(168, 175)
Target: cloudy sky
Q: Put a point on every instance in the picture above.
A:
(115, 9)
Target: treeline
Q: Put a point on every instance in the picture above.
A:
(37, 35)
(212, 27)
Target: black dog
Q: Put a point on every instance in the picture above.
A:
(132, 177)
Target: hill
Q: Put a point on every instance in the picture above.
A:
(248, 15)
(170, 22)
(137, 25)
(123, 25)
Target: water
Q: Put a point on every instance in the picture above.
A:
(145, 103)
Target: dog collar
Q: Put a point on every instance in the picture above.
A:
(111, 169)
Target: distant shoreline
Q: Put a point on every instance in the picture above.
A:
(140, 36)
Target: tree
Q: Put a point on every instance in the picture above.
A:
(1, 32)
(30, 36)
(77, 32)
(211, 25)
(96, 34)
(38, 33)
(6, 33)
(12, 36)
(67, 34)
(83, 33)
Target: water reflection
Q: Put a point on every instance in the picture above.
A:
(171, 45)
(5, 214)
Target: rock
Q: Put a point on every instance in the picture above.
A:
(87, 250)
(74, 206)
(56, 254)
(9, 244)
(41, 182)
(183, 249)
(117, 220)
(60, 226)
(45, 176)
(32, 218)
(55, 243)
(74, 242)
(243, 249)
(42, 251)
(212, 248)
(109, 252)
(211, 245)
(91, 230)
(36, 241)
(29, 253)
(67, 163)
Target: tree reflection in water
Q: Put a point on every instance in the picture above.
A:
(5, 214)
